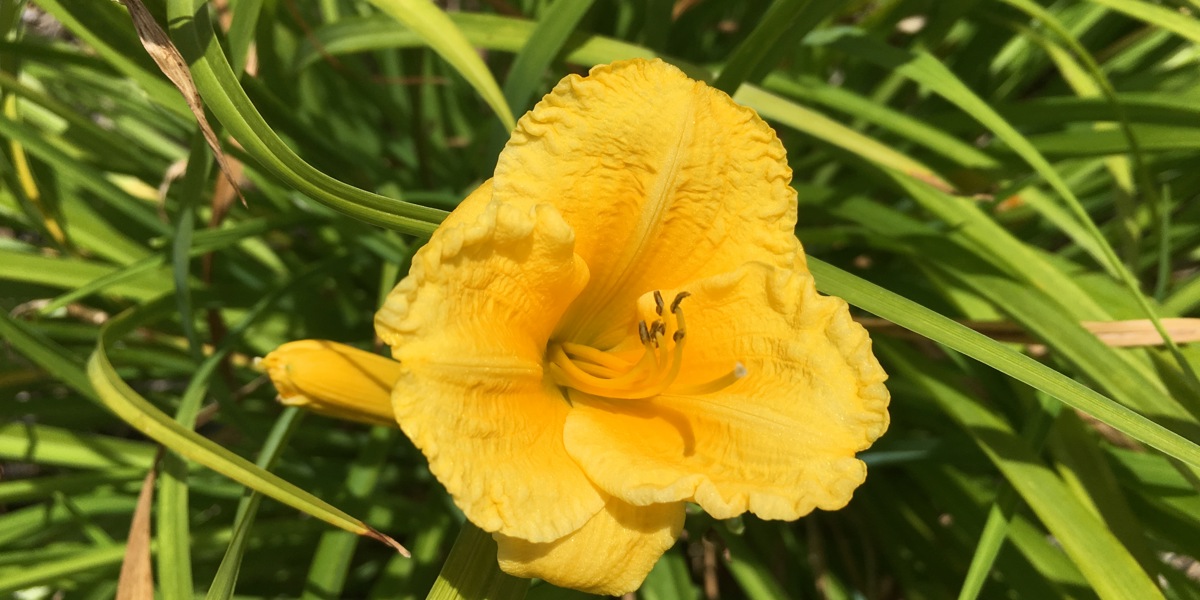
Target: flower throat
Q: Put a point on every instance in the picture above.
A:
(599, 373)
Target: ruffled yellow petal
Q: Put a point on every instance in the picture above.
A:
(334, 379)
(469, 326)
(664, 179)
(779, 441)
(610, 555)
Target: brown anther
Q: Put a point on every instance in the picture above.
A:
(658, 327)
(658, 302)
(643, 332)
(678, 298)
(678, 336)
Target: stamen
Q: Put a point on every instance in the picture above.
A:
(680, 325)
(657, 328)
(600, 371)
(678, 298)
(594, 356)
(592, 371)
(676, 362)
(570, 374)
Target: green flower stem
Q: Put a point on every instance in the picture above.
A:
(471, 571)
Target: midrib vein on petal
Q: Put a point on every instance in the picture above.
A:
(658, 202)
(491, 365)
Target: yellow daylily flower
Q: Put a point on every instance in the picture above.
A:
(620, 322)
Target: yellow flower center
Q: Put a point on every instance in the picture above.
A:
(599, 373)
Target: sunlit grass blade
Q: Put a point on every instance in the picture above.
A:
(86, 176)
(82, 19)
(1159, 16)
(438, 32)
(48, 445)
(471, 571)
(1094, 82)
(924, 68)
(935, 152)
(23, 523)
(136, 411)
(502, 33)
(936, 327)
(782, 20)
(1035, 293)
(116, 281)
(1185, 298)
(658, 24)
(225, 97)
(26, 184)
(335, 550)
(418, 573)
(812, 90)
(669, 580)
(242, 33)
(543, 45)
(995, 533)
(40, 488)
(1108, 566)
(528, 67)
(999, 516)
(775, 108)
(225, 581)
(751, 574)
(46, 354)
(50, 571)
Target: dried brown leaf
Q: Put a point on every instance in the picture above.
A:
(137, 578)
(1118, 334)
(387, 539)
(1141, 332)
(171, 63)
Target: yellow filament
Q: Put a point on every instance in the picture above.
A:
(558, 357)
(595, 356)
(596, 370)
(599, 373)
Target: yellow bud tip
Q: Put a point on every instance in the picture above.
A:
(334, 379)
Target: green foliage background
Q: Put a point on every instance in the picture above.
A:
(1027, 161)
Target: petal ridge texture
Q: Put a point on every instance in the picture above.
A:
(469, 326)
(664, 179)
(781, 440)
(621, 321)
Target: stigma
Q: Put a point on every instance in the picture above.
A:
(599, 373)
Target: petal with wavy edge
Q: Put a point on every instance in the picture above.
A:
(610, 555)
(779, 441)
(664, 179)
(334, 379)
(469, 326)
